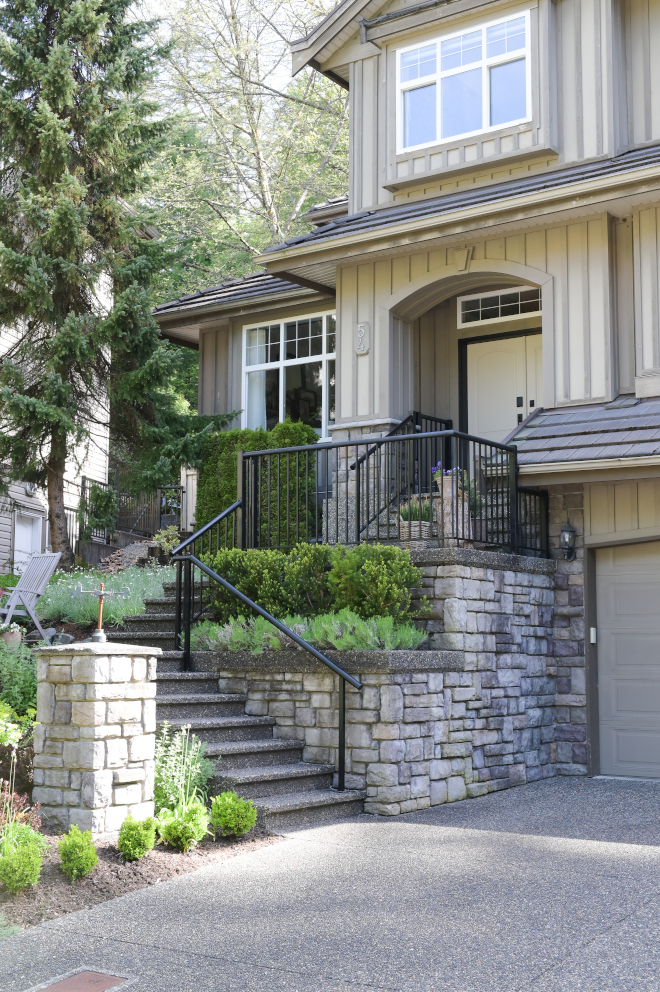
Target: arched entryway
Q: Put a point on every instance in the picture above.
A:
(480, 344)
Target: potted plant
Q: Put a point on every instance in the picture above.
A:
(415, 518)
(11, 634)
(453, 514)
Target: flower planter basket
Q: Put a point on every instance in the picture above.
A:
(411, 530)
(12, 638)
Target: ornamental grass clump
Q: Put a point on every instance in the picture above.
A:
(136, 837)
(77, 853)
(232, 815)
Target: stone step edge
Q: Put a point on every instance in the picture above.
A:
(275, 773)
(211, 722)
(215, 749)
(290, 801)
(177, 699)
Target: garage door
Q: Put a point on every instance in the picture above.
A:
(628, 592)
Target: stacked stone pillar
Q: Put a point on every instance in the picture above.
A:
(95, 735)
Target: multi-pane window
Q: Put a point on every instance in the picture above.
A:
(504, 305)
(290, 372)
(465, 84)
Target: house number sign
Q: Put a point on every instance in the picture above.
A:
(362, 336)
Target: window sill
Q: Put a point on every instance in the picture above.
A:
(395, 184)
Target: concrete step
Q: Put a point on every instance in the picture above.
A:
(169, 663)
(230, 755)
(227, 728)
(150, 622)
(308, 809)
(164, 640)
(177, 683)
(198, 705)
(161, 604)
(275, 780)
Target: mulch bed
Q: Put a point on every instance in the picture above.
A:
(54, 895)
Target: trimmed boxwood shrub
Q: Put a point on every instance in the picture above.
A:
(371, 580)
(136, 837)
(77, 853)
(232, 815)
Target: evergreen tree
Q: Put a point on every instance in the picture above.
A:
(76, 136)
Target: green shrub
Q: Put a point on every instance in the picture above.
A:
(21, 854)
(98, 510)
(136, 837)
(168, 538)
(21, 867)
(258, 574)
(185, 825)
(182, 772)
(232, 815)
(373, 580)
(217, 478)
(18, 678)
(77, 853)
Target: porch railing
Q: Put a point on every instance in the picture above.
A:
(141, 515)
(445, 486)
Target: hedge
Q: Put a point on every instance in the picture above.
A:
(217, 478)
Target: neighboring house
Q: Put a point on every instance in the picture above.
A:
(24, 525)
(495, 264)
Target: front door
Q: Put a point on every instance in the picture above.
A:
(504, 380)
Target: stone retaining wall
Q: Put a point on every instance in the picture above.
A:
(94, 742)
(474, 716)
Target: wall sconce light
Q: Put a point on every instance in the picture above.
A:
(567, 541)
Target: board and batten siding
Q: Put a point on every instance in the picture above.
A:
(620, 512)
(596, 92)
(582, 362)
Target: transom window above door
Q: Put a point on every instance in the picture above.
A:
(289, 371)
(465, 83)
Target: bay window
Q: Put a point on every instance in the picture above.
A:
(464, 83)
(289, 371)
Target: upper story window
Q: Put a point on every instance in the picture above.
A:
(289, 371)
(464, 83)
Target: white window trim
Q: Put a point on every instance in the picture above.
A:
(437, 77)
(324, 358)
(494, 320)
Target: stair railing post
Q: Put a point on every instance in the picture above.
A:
(177, 609)
(240, 495)
(187, 611)
(341, 760)
(513, 499)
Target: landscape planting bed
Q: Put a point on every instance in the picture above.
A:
(54, 895)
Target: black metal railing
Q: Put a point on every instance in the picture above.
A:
(142, 515)
(412, 486)
(533, 522)
(187, 584)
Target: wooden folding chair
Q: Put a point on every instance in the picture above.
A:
(32, 583)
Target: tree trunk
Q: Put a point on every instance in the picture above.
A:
(59, 537)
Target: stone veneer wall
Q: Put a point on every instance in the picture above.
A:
(567, 648)
(94, 742)
(473, 716)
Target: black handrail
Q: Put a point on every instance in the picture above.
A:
(188, 561)
(202, 530)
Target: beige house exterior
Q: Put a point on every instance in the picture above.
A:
(497, 264)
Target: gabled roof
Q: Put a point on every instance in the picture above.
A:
(330, 34)
(402, 213)
(626, 428)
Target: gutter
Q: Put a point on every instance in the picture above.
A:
(569, 191)
(396, 15)
(589, 465)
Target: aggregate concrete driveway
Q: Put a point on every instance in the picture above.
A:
(554, 886)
